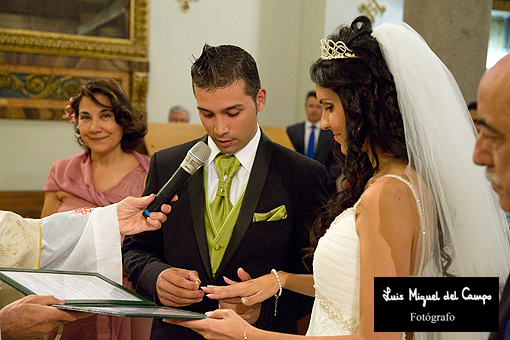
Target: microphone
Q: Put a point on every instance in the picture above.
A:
(194, 159)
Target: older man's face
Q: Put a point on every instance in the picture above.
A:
(179, 117)
(492, 147)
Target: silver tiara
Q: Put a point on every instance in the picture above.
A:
(335, 50)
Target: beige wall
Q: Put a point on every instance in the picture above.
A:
(28, 148)
(288, 43)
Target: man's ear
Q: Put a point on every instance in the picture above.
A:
(261, 99)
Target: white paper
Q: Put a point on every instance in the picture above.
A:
(69, 286)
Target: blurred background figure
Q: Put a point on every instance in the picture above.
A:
(178, 114)
(109, 129)
(309, 140)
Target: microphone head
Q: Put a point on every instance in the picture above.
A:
(196, 157)
(200, 151)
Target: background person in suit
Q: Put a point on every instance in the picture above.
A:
(492, 150)
(320, 147)
(274, 194)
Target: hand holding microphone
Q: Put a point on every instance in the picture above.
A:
(195, 158)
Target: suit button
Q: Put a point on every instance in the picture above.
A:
(217, 246)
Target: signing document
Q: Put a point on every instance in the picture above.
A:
(88, 292)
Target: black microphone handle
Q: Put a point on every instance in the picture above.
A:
(168, 191)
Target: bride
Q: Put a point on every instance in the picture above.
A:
(414, 204)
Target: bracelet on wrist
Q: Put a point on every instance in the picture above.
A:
(245, 337)
(279, 292)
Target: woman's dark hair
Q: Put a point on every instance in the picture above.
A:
(132, 121)
(367, 91)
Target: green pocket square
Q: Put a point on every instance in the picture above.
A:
(276, 214)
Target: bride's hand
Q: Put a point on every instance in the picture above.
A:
(221, 324)
(251, 292)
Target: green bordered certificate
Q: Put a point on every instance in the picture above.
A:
(89, 292)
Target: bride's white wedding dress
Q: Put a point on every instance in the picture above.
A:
(336, 272)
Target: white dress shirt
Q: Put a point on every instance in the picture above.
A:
(246, 157)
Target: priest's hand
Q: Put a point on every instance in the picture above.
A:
(129, 212)
(33, 316)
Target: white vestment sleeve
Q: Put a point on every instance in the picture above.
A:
(83, 240)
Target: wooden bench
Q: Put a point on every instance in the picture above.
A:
(24, 203)
(164, 135)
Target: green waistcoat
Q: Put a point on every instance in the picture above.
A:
(218, 237)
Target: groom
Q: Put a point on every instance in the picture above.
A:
(274, 194)
(492, 150)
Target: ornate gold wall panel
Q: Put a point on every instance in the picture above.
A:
(134, 48)
(29, 92)
(41, 68)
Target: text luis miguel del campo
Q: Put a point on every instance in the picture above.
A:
(442, 304)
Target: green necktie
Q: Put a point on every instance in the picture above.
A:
(227, 166)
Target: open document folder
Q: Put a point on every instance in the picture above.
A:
(89, 292)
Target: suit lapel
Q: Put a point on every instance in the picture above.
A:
(251, 198)
(300, 147)
(196, 206)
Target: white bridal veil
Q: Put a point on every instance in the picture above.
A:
(440, 140)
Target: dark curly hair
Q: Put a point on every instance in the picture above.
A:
(132, 121)
(367, 91)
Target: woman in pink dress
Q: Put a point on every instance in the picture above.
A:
(109, 169)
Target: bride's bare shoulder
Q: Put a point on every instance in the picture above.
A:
(388, 202)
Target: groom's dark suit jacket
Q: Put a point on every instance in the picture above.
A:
(504, 313)
(279, 177)
(323, 153)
